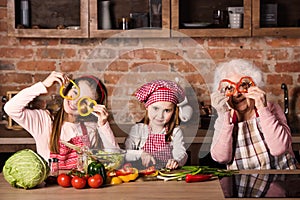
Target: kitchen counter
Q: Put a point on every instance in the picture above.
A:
(133, 190)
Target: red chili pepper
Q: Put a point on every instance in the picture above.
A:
(189, 178)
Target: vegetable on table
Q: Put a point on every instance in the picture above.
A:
(182, 172)
(97, 168)
(189, 178)
(64, 180)
(78, 182)
(148, 171)
(126, 174)
(95, 181)
(25, 169)
(130, 177)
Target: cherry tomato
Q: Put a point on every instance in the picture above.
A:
(64, 180)
(95, 181)
(78, 182)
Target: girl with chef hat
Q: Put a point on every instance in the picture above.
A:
(158, 140)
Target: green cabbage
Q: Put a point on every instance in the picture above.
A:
(25, 169)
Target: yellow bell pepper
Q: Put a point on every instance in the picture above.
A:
(61, 91)
(130, 177)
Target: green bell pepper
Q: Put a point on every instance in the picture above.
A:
(97, 168)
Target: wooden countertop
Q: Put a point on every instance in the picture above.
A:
(132, 190)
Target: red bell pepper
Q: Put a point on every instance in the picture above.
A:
(147, 171)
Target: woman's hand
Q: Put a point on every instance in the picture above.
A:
(102, 114)
(219, 102)
(172, 164)
(147, 158)
(258, 95)
(55, 77)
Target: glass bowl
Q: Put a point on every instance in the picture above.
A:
(111, 158)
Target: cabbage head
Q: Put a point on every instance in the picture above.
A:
(25, 169)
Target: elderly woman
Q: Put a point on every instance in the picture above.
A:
(250, 132)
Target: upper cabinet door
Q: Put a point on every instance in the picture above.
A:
(276, 18)
(204, 18)
(48, 19)
(130, 18)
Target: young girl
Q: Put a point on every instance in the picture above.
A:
(158, 140)
(48, 130)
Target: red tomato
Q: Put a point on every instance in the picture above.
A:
(78, 182)
(95, 181)
(64, 180)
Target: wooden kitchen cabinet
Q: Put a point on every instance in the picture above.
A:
(186, 13)
(48, 18)
(285, 21)
(81, 19)
(122, 9)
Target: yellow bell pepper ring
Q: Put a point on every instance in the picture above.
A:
(61, 91)
(85, 106)
(130, 177)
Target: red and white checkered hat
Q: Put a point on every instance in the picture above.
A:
(160, 90)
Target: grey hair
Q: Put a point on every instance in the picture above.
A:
(237, 66)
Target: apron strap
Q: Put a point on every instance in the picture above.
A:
(83, 128)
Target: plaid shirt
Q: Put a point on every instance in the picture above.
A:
(251, 151)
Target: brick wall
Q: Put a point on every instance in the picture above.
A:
(124, 64)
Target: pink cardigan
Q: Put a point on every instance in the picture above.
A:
(39, 124)
(274, 128)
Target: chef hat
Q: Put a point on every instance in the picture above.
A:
(165, 90)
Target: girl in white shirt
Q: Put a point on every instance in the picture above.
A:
(158, 139)
(67, 124)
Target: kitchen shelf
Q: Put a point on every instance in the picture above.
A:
(123, 8)
(184, 11)
(47, 15)
(288, 18)
(81, 16)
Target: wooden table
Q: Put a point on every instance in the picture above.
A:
(133, 190)
(139, 189)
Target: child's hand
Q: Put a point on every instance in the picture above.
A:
(172, 164)
(55, 77)
(147, 158)
(102, 114)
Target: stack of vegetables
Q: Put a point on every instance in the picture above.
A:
(193, 173)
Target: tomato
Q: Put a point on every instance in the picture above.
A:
(95, 181)
(78, 182)
(64, 180)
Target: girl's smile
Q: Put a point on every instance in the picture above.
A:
(160, 113)
(70, 106)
